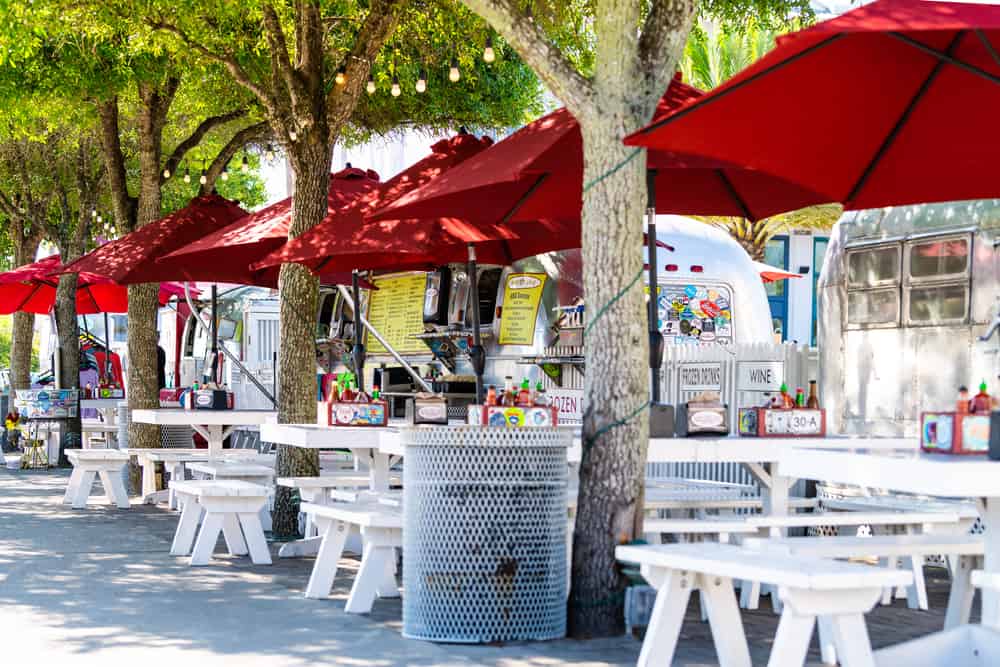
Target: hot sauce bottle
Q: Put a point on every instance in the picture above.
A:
(981, 402)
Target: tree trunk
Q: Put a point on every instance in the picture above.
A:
(21, 338)
(69, 352)
(616, 382)
(299, 293)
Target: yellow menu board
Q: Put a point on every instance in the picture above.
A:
(522, 294)
(396, 310)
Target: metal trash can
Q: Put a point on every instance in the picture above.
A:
(484, 533)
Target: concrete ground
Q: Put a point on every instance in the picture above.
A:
(97, 587)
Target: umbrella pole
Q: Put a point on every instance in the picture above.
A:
(476, 353)
(359, 349)
(655, 337)
(215, 333)
(106, 371)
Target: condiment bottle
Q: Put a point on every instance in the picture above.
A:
(787, 401)
(813, 400)
(981, 402)
(491, 395)
(509, 397)
(962, 404)
(376, 393)
(800, 397)
(541, 398)
(524, 395)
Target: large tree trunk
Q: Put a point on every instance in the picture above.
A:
(69, 352)
(21, 338)
(299, 290)
(616, 382)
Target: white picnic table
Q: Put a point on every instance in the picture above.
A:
(213, 425)
(174, 460)
(914, 472)
(108, 407)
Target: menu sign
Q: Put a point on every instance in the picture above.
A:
(395, 309)
(521, 297)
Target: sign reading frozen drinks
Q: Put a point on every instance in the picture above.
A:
(700, 377)
(396, 310)
(522, 295)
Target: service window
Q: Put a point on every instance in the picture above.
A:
(873, 266)
(873, 307)
(938, 304)
(938, 259)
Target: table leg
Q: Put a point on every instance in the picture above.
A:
(665, 621)
(75, 478)
(83, 489)
(325, 568)
(379, 472)
(233, 536)
(254, 534)
(148, 481)
(215, 438)
(207, 537)
(114, 488)
(724, 618)
(187, 527)
(990, 514)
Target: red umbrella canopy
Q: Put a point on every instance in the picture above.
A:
(130, 259)
(226, 255)
(891, 103)
(347, 241)
(32, 289)
(537, 173)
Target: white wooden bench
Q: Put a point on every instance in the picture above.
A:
(227, 505)
(961, 646)
(841, 593)
(95, 434)
(243, 470)
(968, 548)
(89, 464)
(381, 528)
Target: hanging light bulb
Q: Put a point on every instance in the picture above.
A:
(203, 179)
(99, 219)
(166, 173)
(187, 176)
(370, 87)
(292, 135)
(225, 174)
(93, 213)
(341, 77)
(396, 90)
(422, 81)
(269, 153)
(489, 55)
(453, 74)
(245, 166)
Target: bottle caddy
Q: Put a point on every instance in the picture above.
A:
(347, 406)
(514, 407)
(965, 431)
(786, 416)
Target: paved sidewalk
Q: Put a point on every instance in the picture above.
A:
(97, 587)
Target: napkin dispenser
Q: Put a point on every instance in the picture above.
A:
(704, 415)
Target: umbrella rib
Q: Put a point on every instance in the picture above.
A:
(946, 57)
(989, 45)
(736, 86)
(890, 138)
(525, 197)
(735, 195)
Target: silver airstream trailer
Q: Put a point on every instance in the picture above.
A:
(904, 296)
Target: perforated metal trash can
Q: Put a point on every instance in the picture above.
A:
(484, 533)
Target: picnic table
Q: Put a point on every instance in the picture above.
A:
(915, 472)
(174, 460)
(108, 408)
(213, 425)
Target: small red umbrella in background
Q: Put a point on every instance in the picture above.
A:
(226, 254)
(32, 289)
(771, 274)
(130, 259)
(892, 103)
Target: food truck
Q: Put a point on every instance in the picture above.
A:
(904, 296)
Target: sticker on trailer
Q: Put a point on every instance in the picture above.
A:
(569, 402)
(708, 308)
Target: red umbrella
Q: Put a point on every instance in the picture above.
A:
(130, 259)
(226, 255)
(346, 241)
(771, 274)
(537, 173)
(32, 289)
(891, 103)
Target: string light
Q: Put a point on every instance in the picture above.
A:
(187, 175)
(245, 166)
(203, 179)
(422, 81)
(453, 74)
(99, 219)
(489, 55)
(341, 77)
(292, 135)
(371, 88)
(166, 173)
(269, 153)
(225, 174)
(93, 213)
(396, 90)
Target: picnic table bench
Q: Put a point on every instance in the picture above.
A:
(89, 464)
(227, 506)
(837, 593)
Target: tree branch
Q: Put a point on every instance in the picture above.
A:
(196, 136)
(664, 34)
(247, 135)
(114, 164)
(281, 65)
(534, 47)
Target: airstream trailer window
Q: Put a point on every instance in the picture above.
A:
(938, 304)
(873, 266)
(938, 259)
(696, 313)
(873, 307)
